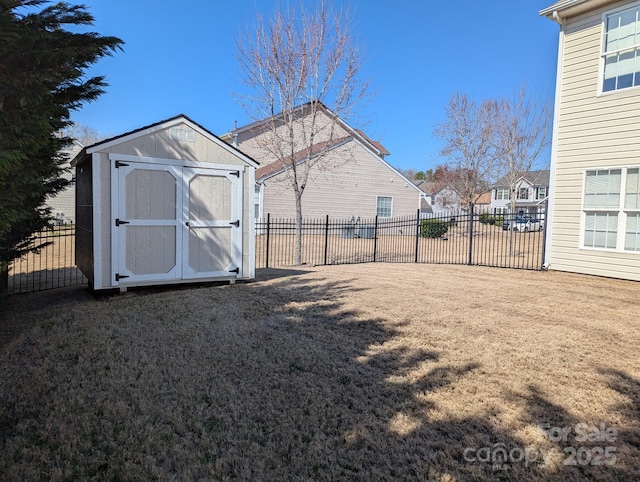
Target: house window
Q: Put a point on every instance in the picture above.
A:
(621, 56)
(612, 215)
(541, 193)
(384, 207)
(502, 194)
(523, 193)
(632, 210)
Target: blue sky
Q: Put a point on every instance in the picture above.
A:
(179, 57)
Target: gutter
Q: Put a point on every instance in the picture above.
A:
(560, 11)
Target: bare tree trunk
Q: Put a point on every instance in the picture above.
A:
(298, 239)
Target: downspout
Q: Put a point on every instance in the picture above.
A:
(546, 263)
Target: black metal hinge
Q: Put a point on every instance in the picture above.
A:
(235, 223)
(236, 271)
(120, 276)
(119, 222)
(120, 164)
(235, 173)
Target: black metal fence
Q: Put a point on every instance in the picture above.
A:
(509, 241)
(52, 266)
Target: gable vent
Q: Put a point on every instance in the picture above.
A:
(184, 134)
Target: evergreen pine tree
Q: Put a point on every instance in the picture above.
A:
(42, 68)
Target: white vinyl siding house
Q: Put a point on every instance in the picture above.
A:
(593, 226)
(353, 180)
(351, 189)
(530, 192)
(63, 204)
(440, 199)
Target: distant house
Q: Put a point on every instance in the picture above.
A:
(354, 179)
(594, 223)
(439, 198)
(531, 192)
(483, 203)
(63, 204)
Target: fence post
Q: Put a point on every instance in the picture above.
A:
(544, 233)
(375, 238)
(268, 235)
(4, 277)
(470, 234)
(417, 234)
(326, 239)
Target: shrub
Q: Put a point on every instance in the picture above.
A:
(486, 218)
(433, 228)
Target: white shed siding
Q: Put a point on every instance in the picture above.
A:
(594, 131)
(159, 144)
(349, 189)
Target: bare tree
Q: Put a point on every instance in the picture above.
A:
(301, 67)
(410, 173)
(467, 133)
(83, 133)
(522, 132)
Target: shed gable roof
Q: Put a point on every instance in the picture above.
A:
(158, 126)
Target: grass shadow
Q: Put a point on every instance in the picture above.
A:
(284, 378)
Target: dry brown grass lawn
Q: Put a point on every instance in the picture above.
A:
(364, 372)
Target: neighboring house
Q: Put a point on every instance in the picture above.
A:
(531, 191)
(595, 167)
(483, 203)
(353, 180)
(63, 204)
(439, 198)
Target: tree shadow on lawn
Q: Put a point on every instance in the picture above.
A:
(273, 380)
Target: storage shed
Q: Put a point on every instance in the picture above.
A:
(167, 203)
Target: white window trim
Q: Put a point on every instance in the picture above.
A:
(503, 190)
(602, 53)
(520, 189)
(621, 211)
(391, 211)
(546, 192)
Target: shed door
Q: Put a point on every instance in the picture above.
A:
(213, 214)
(149, 222)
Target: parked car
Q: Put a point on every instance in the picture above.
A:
(523, 224)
